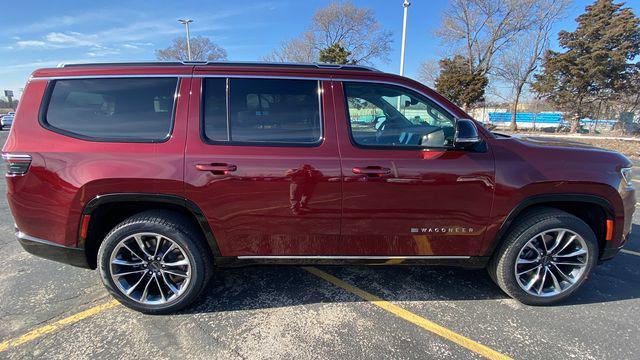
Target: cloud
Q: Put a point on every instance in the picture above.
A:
(31, 43)
(71, 39)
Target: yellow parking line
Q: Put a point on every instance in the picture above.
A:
(411, 317)
(630, 252)
(46, 329)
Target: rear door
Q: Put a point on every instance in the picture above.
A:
(262, 163)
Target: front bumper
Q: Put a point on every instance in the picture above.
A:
(52, 251)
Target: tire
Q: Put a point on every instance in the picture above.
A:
(166, 284)
(536, 233)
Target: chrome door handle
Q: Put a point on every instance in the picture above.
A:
(371, 171)
(217, 168)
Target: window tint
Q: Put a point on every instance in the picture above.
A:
(215, 109)
(387, 115)
(263, 111)
(113, 109)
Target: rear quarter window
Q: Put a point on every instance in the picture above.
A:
(125, 110)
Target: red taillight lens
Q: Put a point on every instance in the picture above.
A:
(17, 164)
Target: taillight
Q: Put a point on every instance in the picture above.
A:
(17, 164)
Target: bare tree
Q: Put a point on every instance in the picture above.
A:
(516, 64)
(483, 28)
(354, 29)
(428, 72)
(300, 49)
(202, 48)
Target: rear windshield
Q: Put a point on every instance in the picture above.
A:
(132, 109)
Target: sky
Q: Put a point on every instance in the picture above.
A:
(39, 33)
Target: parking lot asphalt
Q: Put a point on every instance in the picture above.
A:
(54, 311)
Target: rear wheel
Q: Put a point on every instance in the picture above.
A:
(155, 262)
(545, 258)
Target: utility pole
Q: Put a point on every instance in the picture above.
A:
(186, 25)
(404, 35)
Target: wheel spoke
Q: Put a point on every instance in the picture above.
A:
(173, 246)
(182, 262)
(169, 284)
(160, 288)
(142, 245)
(574, 253)
(557, 241)
(556, 283)
(544, 243)
(132, 252)
(143, 298)
(544, 279)
(122, 262)
(129, 273)
(565, 276)
(176, 273)
(158, 242)
(533, 280)
(531, 246)
(568, 263)
(133, 288)
(530, 270)
(566, 245)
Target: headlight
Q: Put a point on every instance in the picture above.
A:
(627, 175)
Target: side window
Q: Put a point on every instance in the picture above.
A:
(269, 111)
(112, 109)
(383, 115)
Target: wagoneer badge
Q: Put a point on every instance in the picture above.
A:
(441, 230)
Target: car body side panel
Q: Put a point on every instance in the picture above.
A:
(67, 172)
(434, 202)
(525, 169)
(281, 200)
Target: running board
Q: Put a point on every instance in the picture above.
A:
(458, 261)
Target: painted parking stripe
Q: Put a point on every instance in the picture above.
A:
(46, 329)
(411, 317)
(630, 252)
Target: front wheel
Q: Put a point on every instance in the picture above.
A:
(155, 262)
(545, 258)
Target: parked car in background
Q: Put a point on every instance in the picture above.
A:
(156, 174)
(6, 121)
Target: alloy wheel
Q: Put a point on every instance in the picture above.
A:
(150, 268)
(551, 262)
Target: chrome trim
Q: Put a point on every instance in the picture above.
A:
(327, 77)
(627, 175)
(229, 141)
(319, 65)
(123, 76)
(6, 156)
(322, 257)
(23, 236)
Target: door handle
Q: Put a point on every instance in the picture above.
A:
(371, 171)
(217, 168)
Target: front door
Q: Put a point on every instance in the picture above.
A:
(405, 191)
(262, 163)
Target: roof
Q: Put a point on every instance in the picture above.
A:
(229, 63)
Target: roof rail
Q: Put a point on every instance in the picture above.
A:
(229, 63)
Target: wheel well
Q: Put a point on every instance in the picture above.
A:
(106, 216)
(592, 214)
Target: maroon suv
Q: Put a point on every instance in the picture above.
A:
(157, 173)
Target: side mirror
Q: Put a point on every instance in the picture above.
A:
(466, 134)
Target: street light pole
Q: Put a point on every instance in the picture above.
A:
(404, 35)
(186, 24)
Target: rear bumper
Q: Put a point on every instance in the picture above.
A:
(52, 251)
